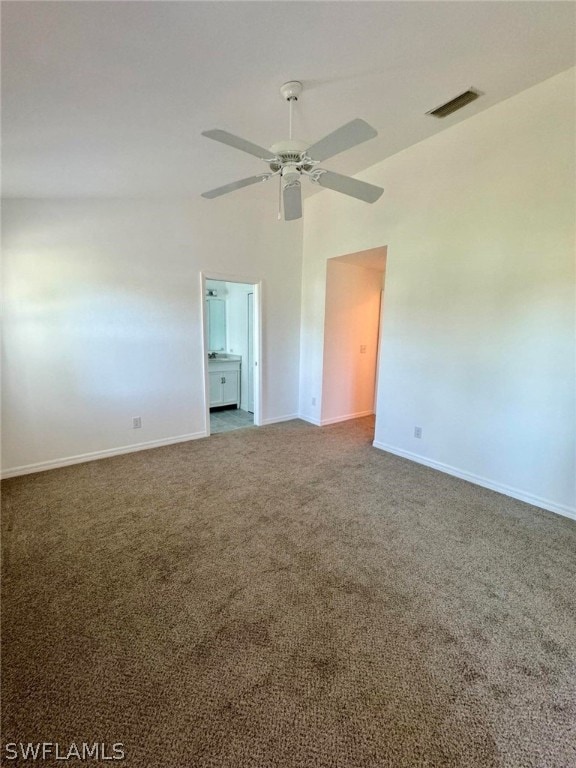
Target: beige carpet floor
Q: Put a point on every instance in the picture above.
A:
(287, 597)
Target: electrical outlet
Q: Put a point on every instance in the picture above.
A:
(362, 349)
(137, 422)
(313, 401)
(418, 432)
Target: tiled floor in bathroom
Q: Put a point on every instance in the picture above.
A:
(227, 419)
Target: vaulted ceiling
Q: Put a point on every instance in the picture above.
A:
(109, 98)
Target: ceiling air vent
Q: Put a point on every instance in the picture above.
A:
(454, 104)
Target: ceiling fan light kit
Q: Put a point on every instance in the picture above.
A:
(291, 159)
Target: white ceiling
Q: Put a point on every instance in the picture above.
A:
(109, 98)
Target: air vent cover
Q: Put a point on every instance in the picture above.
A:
(454, 104)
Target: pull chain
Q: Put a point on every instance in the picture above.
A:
(290, 109)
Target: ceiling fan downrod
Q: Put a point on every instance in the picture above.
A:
(290, 92)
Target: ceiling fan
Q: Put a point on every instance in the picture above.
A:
(291, 159)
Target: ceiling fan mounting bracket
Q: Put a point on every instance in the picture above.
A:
(313, 174)
(291, 91)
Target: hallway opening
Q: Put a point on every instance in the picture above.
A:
(353, 314)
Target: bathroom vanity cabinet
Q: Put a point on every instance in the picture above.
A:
(224, 379)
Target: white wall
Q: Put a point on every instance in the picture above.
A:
(314, 267)
(102, 318)
(478, 334)
(351, 322)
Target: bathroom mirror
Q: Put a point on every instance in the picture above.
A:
(216, 325)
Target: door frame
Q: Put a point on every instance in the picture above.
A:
(250, 348)
(259, 361)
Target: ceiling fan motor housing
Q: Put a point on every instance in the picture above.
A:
(288, 152)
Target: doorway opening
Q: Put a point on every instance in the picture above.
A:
(352, 332)
(231, 319)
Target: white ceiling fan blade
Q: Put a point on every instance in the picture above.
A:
(235, 141)
(234, 185)
(345, 137)
(292, 196)
(349, 186)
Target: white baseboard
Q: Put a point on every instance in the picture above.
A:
(338, 419)
(515, 493)
(278, 419)
(310, 420)
(335, 420)
(42, 466)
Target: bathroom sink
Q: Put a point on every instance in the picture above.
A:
(225, 356)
